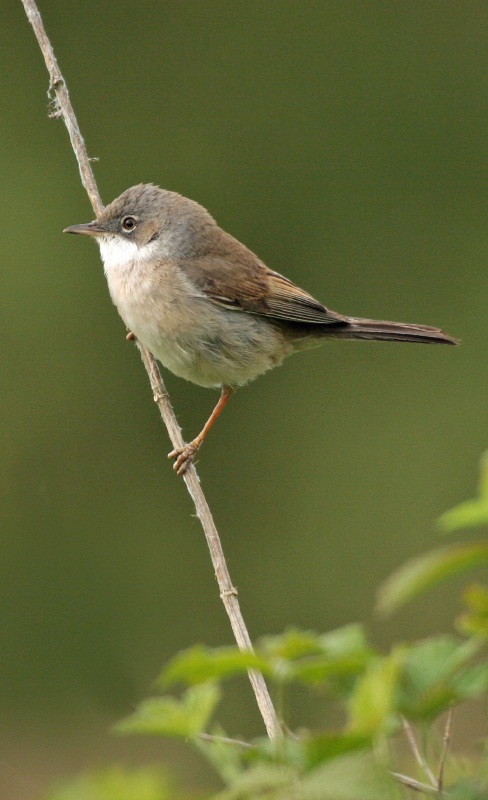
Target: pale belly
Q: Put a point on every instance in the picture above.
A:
(197, 339)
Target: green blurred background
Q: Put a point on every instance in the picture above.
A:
(345, 143)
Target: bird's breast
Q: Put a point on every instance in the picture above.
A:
(152, 298)
(189, 334)
(157, 302)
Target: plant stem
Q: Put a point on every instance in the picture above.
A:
(417, 786)
(63, 108)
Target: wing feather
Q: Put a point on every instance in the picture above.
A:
(287, 301)
(234, 278)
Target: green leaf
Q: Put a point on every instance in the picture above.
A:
(437, 658)
(260, 781)
(354, 776)
(167, 716)
(291, 644)
(372, 704)
(425, 571)
(308, 658)
(325, 746)
(435, 674)
(471, 513)
(294, 643)
(474, 622)
(472, 682)
(345, 641)
(115, 783)
(199, 664)
(347, 777)
(318, 669)
(483, 479)
(288, 751)
(226, 755)
(468, 789)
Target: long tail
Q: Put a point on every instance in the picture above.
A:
(391, 331)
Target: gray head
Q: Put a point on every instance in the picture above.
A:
(145, 214)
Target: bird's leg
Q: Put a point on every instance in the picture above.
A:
(184, 455)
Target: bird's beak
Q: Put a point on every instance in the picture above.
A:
(89, 228)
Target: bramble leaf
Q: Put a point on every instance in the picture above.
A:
(435, 674)
(318, 668)
(225, 755)
(309, 658)
(425, 571)
(372, 704)
(470, 513)
(168, 716)
(291, 644)
(348, 640)
(260, 781)
(325, 746)
(474, 621)
(347, 777)
(199, 664)
(115, 783)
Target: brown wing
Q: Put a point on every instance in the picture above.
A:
(287, 301)
(236, 279)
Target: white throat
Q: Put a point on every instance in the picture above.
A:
(120, 254)
(117, 253)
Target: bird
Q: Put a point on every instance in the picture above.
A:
(205, 305)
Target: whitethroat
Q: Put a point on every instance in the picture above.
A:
(206, 307)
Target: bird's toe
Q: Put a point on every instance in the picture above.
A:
(183, 457)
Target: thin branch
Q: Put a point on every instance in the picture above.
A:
(225, 739)
(64, 109)
(227, 591)
(445, 748)
(417, 786)
(416, 751)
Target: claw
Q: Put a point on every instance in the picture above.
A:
(184, 456)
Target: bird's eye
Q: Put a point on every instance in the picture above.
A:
(128, 223)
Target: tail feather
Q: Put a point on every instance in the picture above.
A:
(391, 331)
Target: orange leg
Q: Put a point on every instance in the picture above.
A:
(185, 455)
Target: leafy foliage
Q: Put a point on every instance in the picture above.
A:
(310, 658)
(167, 716)
(429, 569)
(378, 696)
(436, 673)
(426, 571)
(115, 783)
(418, 681)
(471, 513)
(199, 664)
(372, 703)
(474, 621)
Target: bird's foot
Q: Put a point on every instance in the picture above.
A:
(130, 336)
(184, 456)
